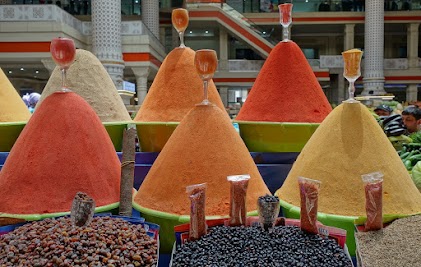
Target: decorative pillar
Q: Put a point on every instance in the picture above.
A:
(223, 92)
(412, 92)
(412, 44)
(141, 74)
(374, 48)
(49, 64)
(349, 33)
(223, 49)
(106, 37)
(150, 15)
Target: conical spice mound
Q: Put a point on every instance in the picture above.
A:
(89, 79)
(12, 107)
(63, 149)
(286, 90)
(205, 148)
(176, 89)
(346, 145)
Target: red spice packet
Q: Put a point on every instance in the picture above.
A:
(239, 184)
(309, 193)
(197, 195)
(373, 187)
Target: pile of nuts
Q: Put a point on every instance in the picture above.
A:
(106, 241)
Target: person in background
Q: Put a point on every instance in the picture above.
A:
(383, 110)
(411, 117)
(33, 100)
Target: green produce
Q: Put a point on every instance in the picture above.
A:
(398, 142)
(416, 175)
(416, 137)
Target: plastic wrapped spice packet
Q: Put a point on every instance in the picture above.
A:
(239, 184)
(83, 209)
(373, 187)
(309, 193)
(197, 195)
(268, 211)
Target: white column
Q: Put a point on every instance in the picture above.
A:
(106, 37)
(412, 44)
(141, 74)
(223, 92)
(223, 49)
(49, 64)
(349, 32)
(374, 48)
(411, 92)
(150, 15)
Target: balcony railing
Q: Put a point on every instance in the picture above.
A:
(327, 62)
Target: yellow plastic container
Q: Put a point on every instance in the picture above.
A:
(154, 135)
(115, 131)
(9, 132)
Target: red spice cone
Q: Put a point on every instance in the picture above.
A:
(286, 90)
(62, 150)
(204, 148)
(176, 89)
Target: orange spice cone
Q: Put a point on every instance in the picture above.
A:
(176, 89)
(205, 148)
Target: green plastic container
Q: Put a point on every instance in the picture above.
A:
(115, 131)
(154, 135)
(276, 136)
(167, 221)
(9, 133)
(36, 217)
(344, 222)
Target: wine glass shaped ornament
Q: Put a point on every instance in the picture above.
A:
(63, 51)
(205, 62)
(180, 21)
(352, 70)
(285, 14)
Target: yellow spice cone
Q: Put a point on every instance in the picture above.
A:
(346, 145)
(12, 107)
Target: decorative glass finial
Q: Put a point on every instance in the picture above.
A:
(352, 69)
(63, 51)
(206, 63)
(180, 21)
(285, 13)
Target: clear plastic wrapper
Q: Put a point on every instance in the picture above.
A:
(197, 196)
(268, 211)
(238, 212)
(83, 209)
(309, 193)
(373, 187)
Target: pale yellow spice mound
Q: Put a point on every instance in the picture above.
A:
(204, 148)
(347, 144)
(88, 78)
(176, 89)
(12, 107)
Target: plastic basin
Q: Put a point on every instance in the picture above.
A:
(276, 136)
(154, 135)
(5, 218)
(167, 221)
(9, 132)
(115, 131)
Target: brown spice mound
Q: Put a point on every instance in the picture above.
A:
(88, 78)
(205, 148)
(286, 90)
(346, 145)
(176, 89)
(395, 245)
(12, 108)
